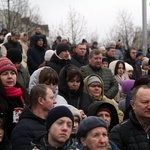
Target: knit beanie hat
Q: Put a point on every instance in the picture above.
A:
(104, 108)
(145, 61)
(14, 55)
(56, 113)
(64, 38)
(128, 67)
(6, 64)
(75, 111)
(93, 79)
(88, 124)
(112, 43)
(127, 85)
(62, 47)
(48, 55)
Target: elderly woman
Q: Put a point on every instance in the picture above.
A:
(93, 134)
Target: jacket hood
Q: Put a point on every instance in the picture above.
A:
(22, 36)
(6, 37)
(27, 113)
(86, 88)
(92, 110)
(37, 37)
(62, 84)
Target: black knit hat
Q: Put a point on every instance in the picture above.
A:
(88, 124)
(62, 47)
(14, 55)
(56, 113)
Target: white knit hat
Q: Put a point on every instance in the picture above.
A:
(128, 67)
(48, 55)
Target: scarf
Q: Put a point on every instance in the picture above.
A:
(12, 91)
(145, 123)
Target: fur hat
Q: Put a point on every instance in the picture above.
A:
(88, 124)
(56, 113)
(93, 79)
(6, 64)
(14, 55)
(62, 47)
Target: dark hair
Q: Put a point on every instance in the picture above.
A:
(117, 66)
(109, 48)
(48, 75)
(37, 91)
(5, 143)
(73, 71)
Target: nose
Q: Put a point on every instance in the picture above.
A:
(64, 127)
(102, 139)
(9, 75)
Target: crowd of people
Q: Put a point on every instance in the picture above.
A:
(72, 97)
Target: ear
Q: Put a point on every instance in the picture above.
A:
(132, 103)
(83, 141)
(40, 100)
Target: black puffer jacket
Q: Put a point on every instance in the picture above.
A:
(57, 64)
(29, 128)
(77, 61)
(137, 138)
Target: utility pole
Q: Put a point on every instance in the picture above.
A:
(9, 18)
(144, 25)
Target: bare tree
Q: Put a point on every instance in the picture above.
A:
(18, 14)
(76, 26)
(124, 28)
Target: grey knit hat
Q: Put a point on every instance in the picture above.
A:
(93, 79)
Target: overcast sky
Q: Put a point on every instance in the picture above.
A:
(101, 15)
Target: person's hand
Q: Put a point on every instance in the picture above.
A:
(35, 148)
(83, 115)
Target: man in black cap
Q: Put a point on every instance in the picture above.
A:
(60, 58)
(59, 124)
